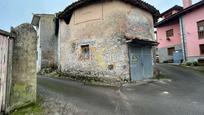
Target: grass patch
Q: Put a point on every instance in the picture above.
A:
(32, 109)
(160, 76)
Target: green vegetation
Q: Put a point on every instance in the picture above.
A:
(195, 63)
(188, 64)
(32, 109)
(160, 76)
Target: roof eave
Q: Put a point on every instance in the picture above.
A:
(183, 12)
(176, 7)
(66, 14)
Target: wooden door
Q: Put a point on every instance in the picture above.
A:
(3, 70)
(135, 63)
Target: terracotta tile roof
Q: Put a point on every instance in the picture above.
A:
(67, 13)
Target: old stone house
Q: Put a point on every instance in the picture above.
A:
(107, 38)
(47, 40)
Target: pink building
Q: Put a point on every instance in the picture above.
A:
(182, 30)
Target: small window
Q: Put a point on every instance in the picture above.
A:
(171, 51)
(85, 51)
(110, 67)
(200, 25)
(169, 33)
(202, 49)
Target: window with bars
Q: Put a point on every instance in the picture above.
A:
(169, 33)
(200, 25)
(202, 49)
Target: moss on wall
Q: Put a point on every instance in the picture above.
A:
(24, 76)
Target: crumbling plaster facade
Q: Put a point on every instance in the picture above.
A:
(105, 27)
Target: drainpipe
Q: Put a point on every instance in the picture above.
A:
(59, 43)
(183, 38)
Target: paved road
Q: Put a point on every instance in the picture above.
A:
(183, 96)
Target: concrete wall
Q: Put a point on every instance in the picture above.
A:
(163, 53)
(191, 33)
(47, 42)
(23, 88)
(102, 26)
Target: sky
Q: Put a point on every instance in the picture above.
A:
(15, 12)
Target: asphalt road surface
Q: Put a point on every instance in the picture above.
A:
(184, 95)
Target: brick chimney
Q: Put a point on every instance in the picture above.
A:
(187, 3)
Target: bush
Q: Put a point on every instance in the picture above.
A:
(188, 64)
(195, 63)
(161, 76)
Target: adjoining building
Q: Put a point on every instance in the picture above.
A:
(181, 33)
(47, 40)
(107, 38)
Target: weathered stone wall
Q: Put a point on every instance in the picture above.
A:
(47, 48)
(102, 26)
(23, 88)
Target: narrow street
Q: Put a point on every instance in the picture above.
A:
(183, 96)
